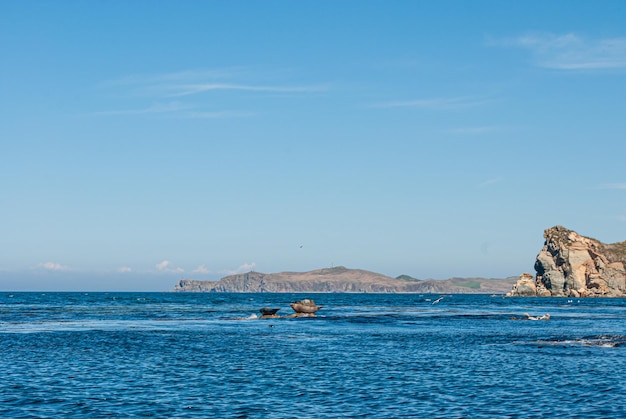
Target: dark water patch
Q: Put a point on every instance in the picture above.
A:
(601, 341)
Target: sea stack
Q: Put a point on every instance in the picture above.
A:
(571, 265)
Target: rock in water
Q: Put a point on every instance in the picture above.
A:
(525, 287)
(306, 306)
(267, 311)
(571, 265)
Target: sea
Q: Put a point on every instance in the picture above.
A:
(206, 355)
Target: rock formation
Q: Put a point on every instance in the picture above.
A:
(571, 265)
(341, 279)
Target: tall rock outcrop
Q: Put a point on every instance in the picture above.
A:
(571, 265)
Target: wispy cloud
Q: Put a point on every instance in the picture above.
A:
(157, 108)
(124, 269)
(166, 266)
(570, 51)
(53, 266)
(613, 186)
(472, 130)
(622, 218)
(441, 103)
(246, 267)
(218, 114)
(199, 84)
(489, 182)
(179, 110)
(185, 76)
(193, 82)
(192, 89)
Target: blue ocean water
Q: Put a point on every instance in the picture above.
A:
(364, 355)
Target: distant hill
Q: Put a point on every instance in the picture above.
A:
(341, 279)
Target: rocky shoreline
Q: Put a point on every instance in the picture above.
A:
(344, 280)
(568, 265)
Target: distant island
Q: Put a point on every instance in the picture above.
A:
(342, 279)
(568, 265)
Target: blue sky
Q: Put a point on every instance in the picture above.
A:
(147, 141)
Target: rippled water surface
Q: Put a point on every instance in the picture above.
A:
(364, 355)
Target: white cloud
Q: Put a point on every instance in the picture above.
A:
(622, 218)
(166, 266)
(124, 269)
(53, 266)
(201, 270)
(246, 267)
(161, 266)
(572, 52)
(435, 103)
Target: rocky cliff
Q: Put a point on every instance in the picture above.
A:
(341, 279)
(571, 265)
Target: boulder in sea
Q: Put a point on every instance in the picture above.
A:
(306, 306)
(267, 312)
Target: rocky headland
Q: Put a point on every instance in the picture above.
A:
(341, 279)
(571, 265)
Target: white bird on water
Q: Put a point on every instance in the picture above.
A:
(437, 300)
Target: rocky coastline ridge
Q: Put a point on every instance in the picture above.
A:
(341, 279)
(571, 265)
